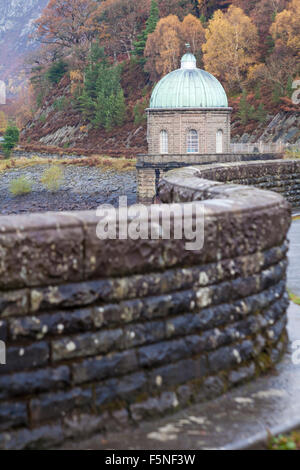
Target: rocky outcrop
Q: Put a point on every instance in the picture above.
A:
(284, 127)
(16, 25)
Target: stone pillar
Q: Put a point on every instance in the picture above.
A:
(146, 185)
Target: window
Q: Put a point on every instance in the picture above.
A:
(219, 141)
(192, 142)
(164, 142)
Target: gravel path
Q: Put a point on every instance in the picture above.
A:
(83, 188)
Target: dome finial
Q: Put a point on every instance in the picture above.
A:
(188, 61)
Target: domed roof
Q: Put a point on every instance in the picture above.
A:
(188, 87)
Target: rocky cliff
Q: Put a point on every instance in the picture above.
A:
(284, 127)
(16, 26)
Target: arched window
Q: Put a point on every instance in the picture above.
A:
(219, 141)
(164, 144)
(192, 141)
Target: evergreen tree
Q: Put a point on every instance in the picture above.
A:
(261, 113)
(289, 87)
(119, 108)
(252, 112)
(56, 72)
(151, 23)
(11, 138)
(102, 101)
(277, 93)
(257, 94)
(243, 112)
(86, 105)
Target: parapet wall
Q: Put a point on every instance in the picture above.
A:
(282, 176)
(152, 168)
(101, 335)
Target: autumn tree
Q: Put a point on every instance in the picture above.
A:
(122, 20)
(166, 44)
(68, 28)
(66, 23)
(193, 32)
(163, 47)
(231, 42)
(286, 27)
(195, 7)
(275, 72)
(3, 122)
(263, 16)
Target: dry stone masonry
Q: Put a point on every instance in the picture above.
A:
(103, 334)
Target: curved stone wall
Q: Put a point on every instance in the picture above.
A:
(282, 176)
(103, 334)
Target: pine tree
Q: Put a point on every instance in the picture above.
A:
(151, 23)
(243, 112)
(109, 112)
(56, 72)
(261, 113)
(119, 108)
(252, 112)
(257, 93)
(277, 93)
(11, 138)
(289, 87)
(86, 105)
(102, 100)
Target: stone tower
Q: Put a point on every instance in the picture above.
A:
(188, 113)
(188, 124)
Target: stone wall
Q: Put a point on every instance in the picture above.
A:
(152, 168)
(178, 122)
(282, 176)
(101, 335)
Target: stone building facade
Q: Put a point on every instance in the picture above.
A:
(211, 125)
(188, 118)
(188, 113)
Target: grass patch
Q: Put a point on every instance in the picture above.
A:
(20, 186)
(294, 298)
(97, 161)
(53, 178)
(105, 163)
(281, 442)
(22, 162)
(292, 153)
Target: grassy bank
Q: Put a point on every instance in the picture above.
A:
(97, 161)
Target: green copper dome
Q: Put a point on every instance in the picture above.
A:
(189, 87)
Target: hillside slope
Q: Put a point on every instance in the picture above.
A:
(66, 129)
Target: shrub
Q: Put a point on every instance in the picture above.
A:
(60, 104)
(20, 186)
(53, 178)
(11, 138)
